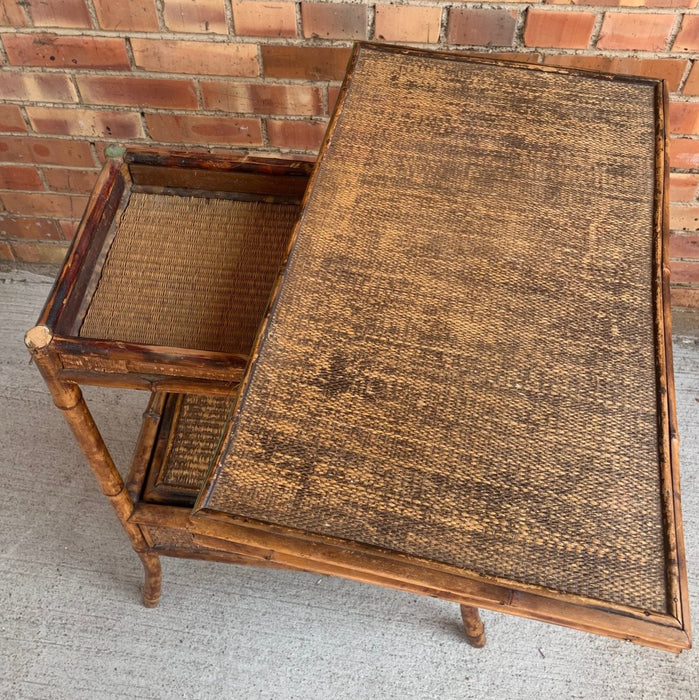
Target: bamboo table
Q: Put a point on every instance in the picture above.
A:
(462, 385)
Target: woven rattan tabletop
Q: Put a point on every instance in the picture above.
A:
(465, 361)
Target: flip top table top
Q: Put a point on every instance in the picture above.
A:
(463, 385)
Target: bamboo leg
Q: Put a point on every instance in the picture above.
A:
(475, 632)
(151, 589)
(68, 398)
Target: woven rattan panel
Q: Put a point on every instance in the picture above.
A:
(190, 272)
(460, 364)
(196, 430)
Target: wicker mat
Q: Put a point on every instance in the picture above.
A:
(190, 272)
(461, 361)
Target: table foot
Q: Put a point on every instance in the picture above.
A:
(151, 588)
(473, 625)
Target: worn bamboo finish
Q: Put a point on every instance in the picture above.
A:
(473, 626)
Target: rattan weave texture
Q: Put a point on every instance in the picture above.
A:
(190, 272)
(197, 426)
(460, 365)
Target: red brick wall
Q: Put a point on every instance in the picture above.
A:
(78, 75)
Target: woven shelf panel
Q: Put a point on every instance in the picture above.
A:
(194, 437)
(190, 272)
(460, 365)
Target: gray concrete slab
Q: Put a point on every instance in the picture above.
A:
(72, 625)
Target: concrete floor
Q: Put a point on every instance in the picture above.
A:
(72, 625)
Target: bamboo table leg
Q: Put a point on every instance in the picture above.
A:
(68, 397)
(475, 632)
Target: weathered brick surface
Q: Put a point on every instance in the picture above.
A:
(46, 151)
(623, 30)
(334, 21)
(669, 69)
(176, 128)
(195, 57)
(85, 122)
(304, 63)
(691, 86)
(687, 38)
(127, 15)
(684, 272)
(37, 87)
(233, 97)
(70, 179)
(297, 135)
(685, 247)
(45, 204)
(684, 218)
(12, 14)
(481, 27)
(272, 19)
(200, 16)
(684, 187)
(60, 13)
(30, 227)
(138, 92)
(684, 117)
(568, 30)
(20, 177)
(684, 153)
(408, 23)
(11, 119)
(38, 252)
(53, 51)
(6, 252)
(69, 227)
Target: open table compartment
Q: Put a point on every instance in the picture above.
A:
(171, 269)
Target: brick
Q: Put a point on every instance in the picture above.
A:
(20, 177)
(51, 51)
(563, 30)
(195, 16)
(45, 204)
(481, 27)
(46, 151)
(297, 135)
(324, 20)
(11, 119)
(68, 228)
(685, 247)
(683, 272)
(625, 3)
(304, 62)
(12, 14)
(688, 37)
(204, 129)
(37, 252)
(60, 13)
(127, 15)
(684, 218)
(684, 153)
(691, 85)
(77, 181)
(85, 122)
(228, 96)
(37, 87)
(684, 187)
(137, 92)
(6, 252)
(264, 19)
(196, 57)
(642, 32)
(669, 69)
(30, 227)
(684, 118)
(333, 95)
(408, 23)
(685, 297)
